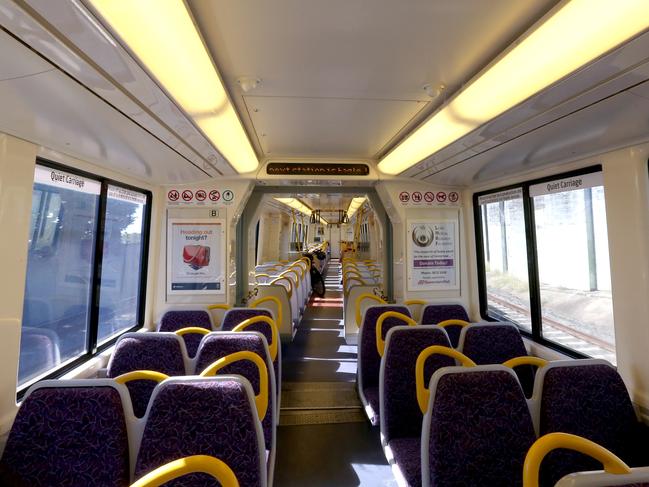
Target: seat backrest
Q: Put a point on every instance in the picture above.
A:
(433, 314)
(400, 413)
(204, 416)
(160, 352)
(495, 343)
(176, 319)
(69, 433)
(477, 429)
(219, 344)
(369, 361)
(587, 398)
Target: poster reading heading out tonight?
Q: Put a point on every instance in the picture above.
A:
(432, 255)
(195, 257)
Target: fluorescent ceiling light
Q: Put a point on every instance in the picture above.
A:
(577, 33)
(354, 205)
(299, 206)
(163, 36)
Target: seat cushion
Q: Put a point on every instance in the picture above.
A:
(372, 396)
(407, 456)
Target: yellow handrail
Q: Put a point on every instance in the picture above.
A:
(192, 329)
(290, 284)
(263, 275)
(552, 441)
(453, 322)
(140, 375)
(272, 299)
(380, 343)
(419, 302)
(352, 273)
(526, 360)
(307, 260)
(353, 279)
(423, 394)
(273, 345)
(219, 306)
(294, 272)
(261, 400)
(360, 298)
(297, 267)
(183, 466)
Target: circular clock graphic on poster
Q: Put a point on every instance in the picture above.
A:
(423, 235)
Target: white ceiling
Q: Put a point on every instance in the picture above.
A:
(343, 78)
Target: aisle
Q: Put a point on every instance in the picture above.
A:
(324, 438)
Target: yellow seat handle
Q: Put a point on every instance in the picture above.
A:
(192, 329)
(290, 284)
(294, 272)
(299, 269)
(261, 399)
(453, 322)
(140, 375)
(219, 306)
(352, 273)
(271, 299)
(273, 345)
(526, 360)
(194, 464)
(262, 275)
(423, 394)
(380, 343)
(307, 260)
(411, 302)
(359, 299)
(544, 445)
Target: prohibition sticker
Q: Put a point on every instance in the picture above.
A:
(416, 197)
(201, 195)
(453, 197)
(228, 195)
(188, 195)
(441, 196)
(429, 197)
(215, 195)
(404, 196)
(173, 195)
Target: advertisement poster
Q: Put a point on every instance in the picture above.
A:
(195, 256)
(432, 255)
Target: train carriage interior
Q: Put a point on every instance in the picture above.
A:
(326, 244)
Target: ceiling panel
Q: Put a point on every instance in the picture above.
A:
(365, 55)
(293, 126)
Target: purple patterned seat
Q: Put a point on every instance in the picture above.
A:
(217, 345)
(236, 316)
(369, 361)
(477, 429)
(495, 343)
(68, 436)
(177, 319)
(588, 398)
(436, 313)
(204, 416)
(160, 352)
(401, 417)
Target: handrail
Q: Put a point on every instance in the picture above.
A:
(273, 299)
(226, 307)
(297, 267)
(525, 360)
(353, 273)
(356, 279)
(307, 260)
(423, 394)
(140, 375)
(453, 322)
(360, 298)
(193, 464)
(287, 279)
(294, 272)
(419, 302)
(552, 441)
(380, 343)
(261, 399)
(261, 274)
(192, 329)
(273, 345)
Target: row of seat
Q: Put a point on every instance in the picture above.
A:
(83, 432)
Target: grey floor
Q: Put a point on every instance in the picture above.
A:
(327, 455)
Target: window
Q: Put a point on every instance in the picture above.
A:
(78, 222)
(505, 256)
(557, 226)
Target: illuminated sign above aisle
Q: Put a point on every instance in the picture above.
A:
(316, 169)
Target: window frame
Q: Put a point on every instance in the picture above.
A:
(532, 258)
(93, 348)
